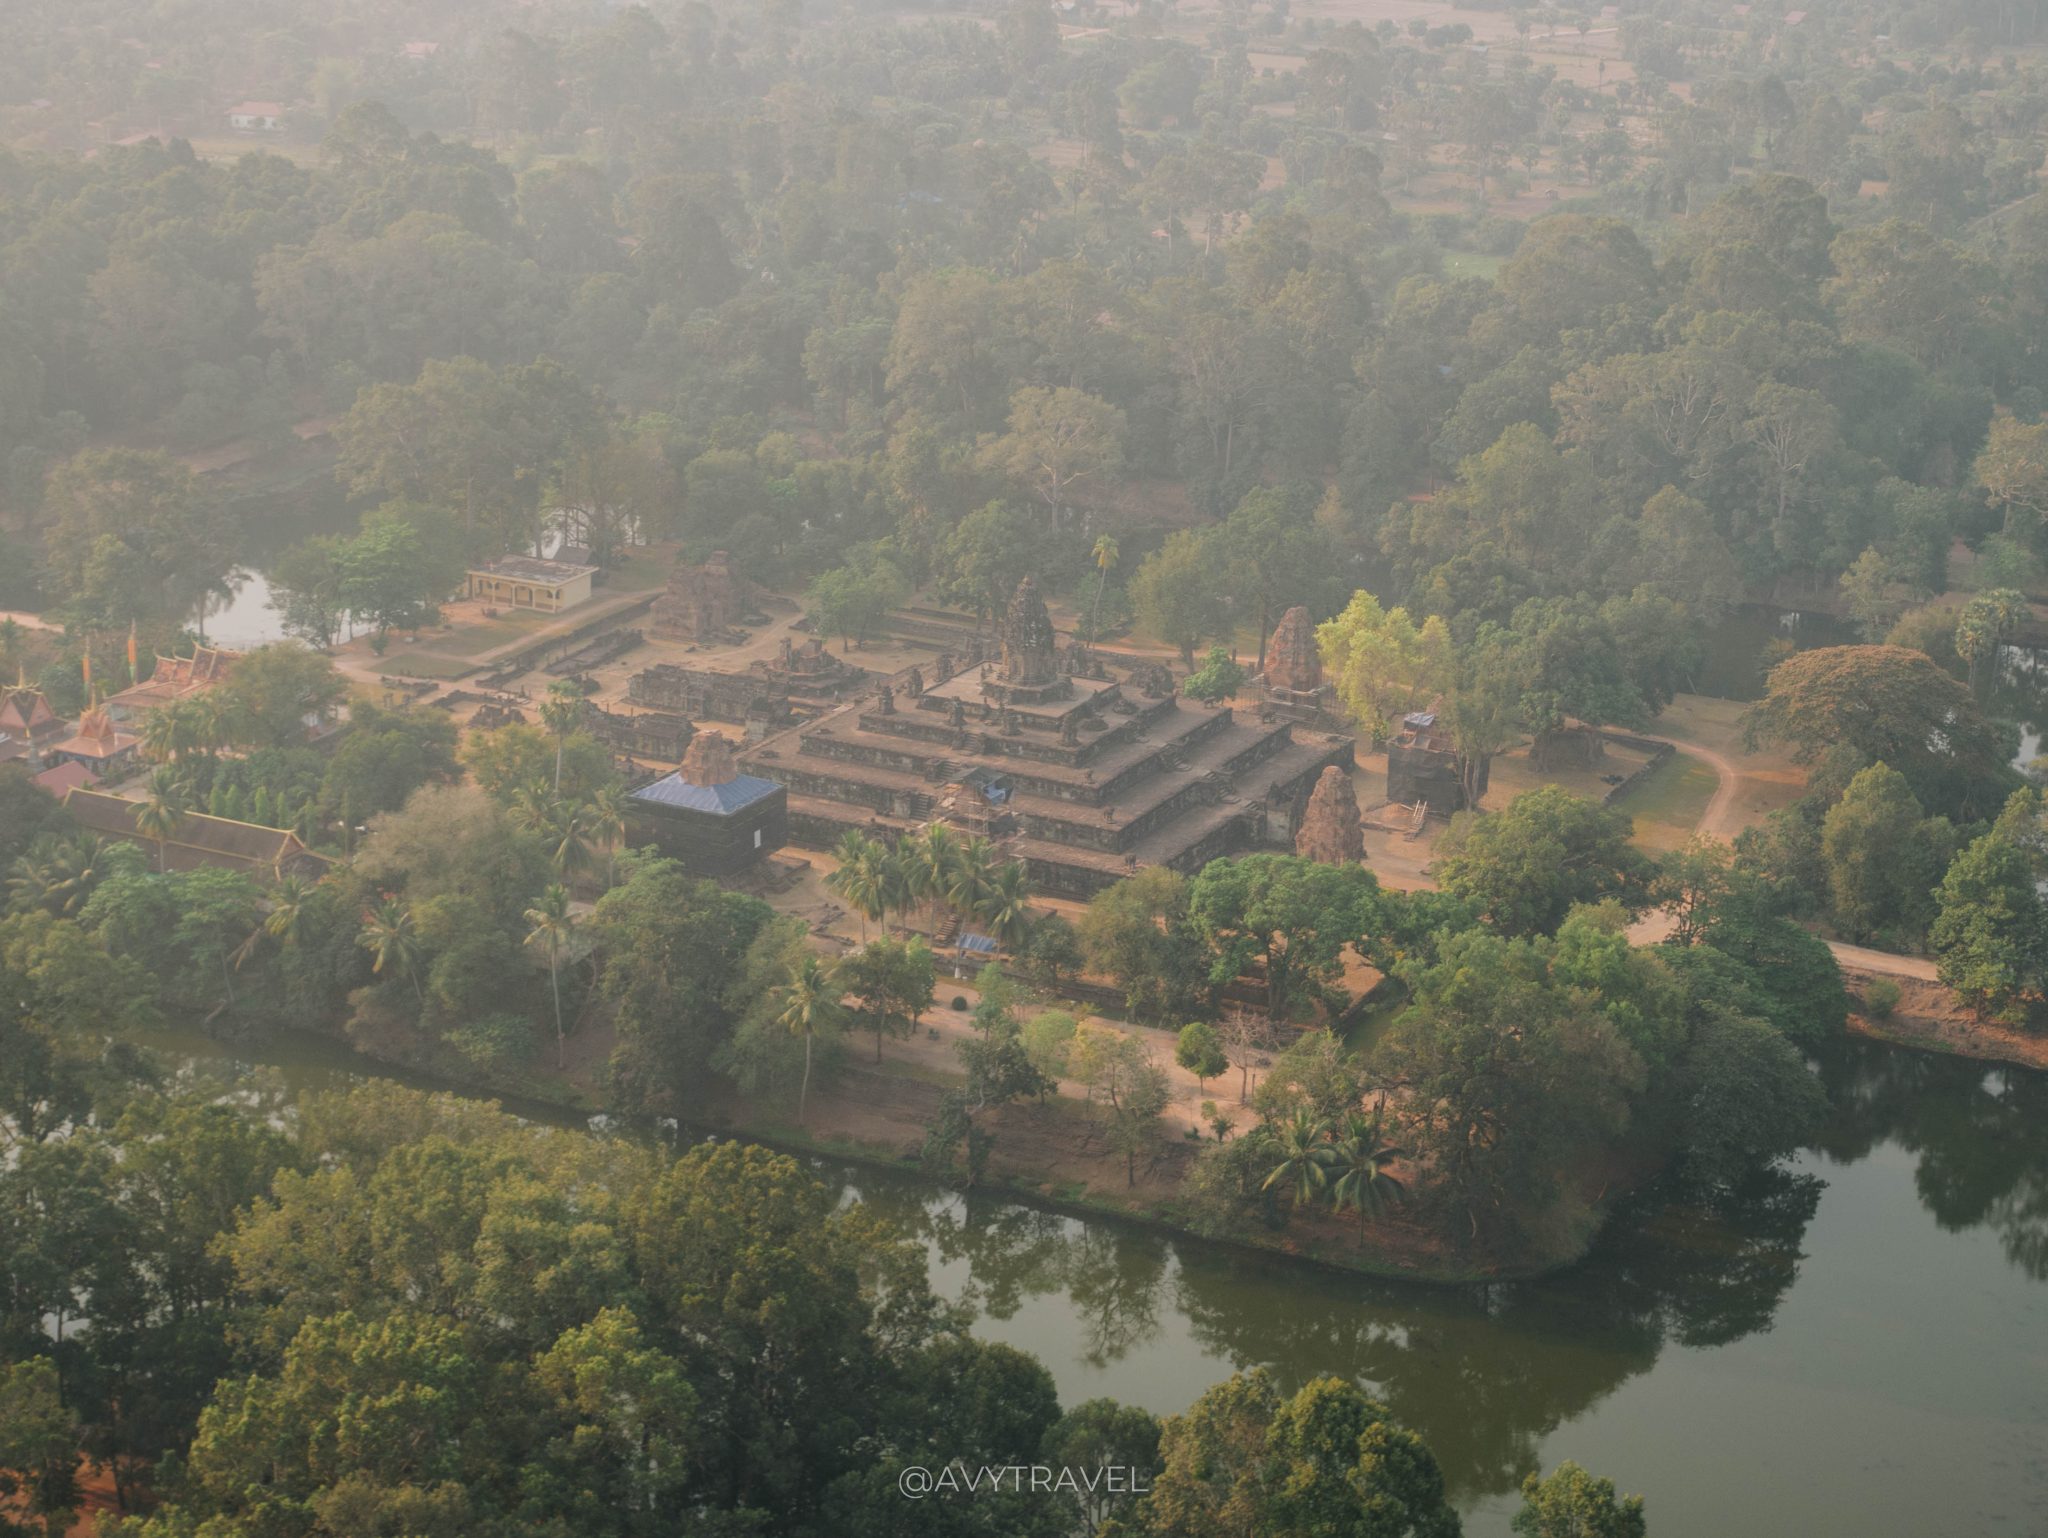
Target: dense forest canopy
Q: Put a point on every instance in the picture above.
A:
(948, 291)
(1518, 347)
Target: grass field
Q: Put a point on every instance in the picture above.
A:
(1472, 264)
(1668, 804)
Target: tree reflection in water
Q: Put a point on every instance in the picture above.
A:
(1979, 1135)
(1487, 1373)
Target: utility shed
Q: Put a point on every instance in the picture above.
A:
(714, 819)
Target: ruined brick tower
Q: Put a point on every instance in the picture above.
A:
(1331, 831)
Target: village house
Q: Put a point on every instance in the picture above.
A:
(266, 117)
(523, 582)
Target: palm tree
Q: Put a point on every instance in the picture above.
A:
(167, 734)
(56, 874)
(1106, 554)
(1361, 1161)
(164, 812)
(287, 914)
(859, 878)
(970, 881)
(608, 807)
(810, 1003)
(1006, 911)
(550, 922)
(532, 806)
(929, 858)
(897, 888)
(1305, 1157)
(568, 838)
(392, 941)
(559, 713)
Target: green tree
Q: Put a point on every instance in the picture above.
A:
(391, 936)
(1301, 1145)
(1218, 679)
(1059, 441)
(1990, 934)
(1890, 705)
(1573, 1504)
(130, 537)
(1525, 866)
(1178, 594)
(1117, 1069)
(671, 954)
(1382, 664)
(809, 1004)
(1105, 555)
(893, 982)
(550, 925)
(1338, 1463)
(860, 877)
(1199, 1050)
(163, 813)
(1507, 1078)
(1291, 917)
(1360, 1158)
(1882, 856)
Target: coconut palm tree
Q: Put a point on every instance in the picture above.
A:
(810, 1004)
(1303, 1147)
(929, 858)
(859, 878)
(167, 733)
(1006, 910)
(287, 916)
(550, 924)
(164, 812)
(898, 889)
(56, 874)
(1106, 554)
(970, 881)
(560, 713)
(392, 941)
(568, 838)
(1360, 1158)
(608, 805)
(563, 826)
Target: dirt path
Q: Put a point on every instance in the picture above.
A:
(1721, 821)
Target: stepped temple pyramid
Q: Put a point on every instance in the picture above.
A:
(1084, 774)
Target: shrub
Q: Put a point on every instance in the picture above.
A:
(1880, 997)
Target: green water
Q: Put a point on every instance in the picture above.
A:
(1855, 1346)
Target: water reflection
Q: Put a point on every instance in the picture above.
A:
(1979, 1138)
(1488, 1373)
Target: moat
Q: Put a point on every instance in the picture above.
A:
(1854, 1346)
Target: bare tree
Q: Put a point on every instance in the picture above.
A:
(1245, 1034)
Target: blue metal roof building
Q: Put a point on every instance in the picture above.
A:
(707, 814)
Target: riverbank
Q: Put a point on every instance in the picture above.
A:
(1927, 1018)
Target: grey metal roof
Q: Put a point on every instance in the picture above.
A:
(524, 568)
(722, 800)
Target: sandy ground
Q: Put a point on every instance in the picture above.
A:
(1928, 1017)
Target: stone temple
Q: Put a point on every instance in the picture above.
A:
(1293, 684)
(1084, 773)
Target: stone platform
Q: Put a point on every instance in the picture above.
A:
(1086, 778)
